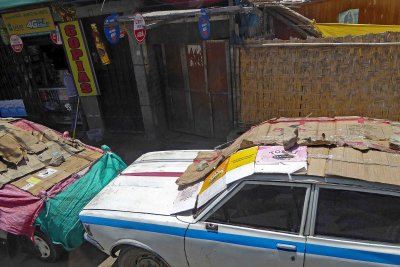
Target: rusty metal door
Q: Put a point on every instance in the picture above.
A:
(198, 88)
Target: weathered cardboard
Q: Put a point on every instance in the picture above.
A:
(26, 153)
(24, 167)
(72, 165)
(355, 147)
(373, 166)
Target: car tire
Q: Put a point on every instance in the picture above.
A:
(136, 257)
(45, 250)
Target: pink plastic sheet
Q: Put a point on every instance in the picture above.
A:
(19, 209)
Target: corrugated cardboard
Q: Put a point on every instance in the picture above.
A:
(31, 165)
(26, 153)
(354, 147)
(72, 165)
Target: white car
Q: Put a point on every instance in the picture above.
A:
(262, 219)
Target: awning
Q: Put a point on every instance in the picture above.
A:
(340, 30)
(5, 4)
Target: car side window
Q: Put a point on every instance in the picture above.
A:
(264, 206)
(358, 215)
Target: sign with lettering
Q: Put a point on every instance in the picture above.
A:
(139, 28)
(16, 43)
(29, 22)
(111, 29)
(79, 61)
(55, 37)
(204, 25)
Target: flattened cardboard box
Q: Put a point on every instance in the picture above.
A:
(372, 166)
(37, 182)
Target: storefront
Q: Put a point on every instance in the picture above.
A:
(35, 67)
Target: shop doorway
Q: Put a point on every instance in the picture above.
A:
(37, 77)
(119, 98)
(198, 88)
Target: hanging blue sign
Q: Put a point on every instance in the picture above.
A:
(111, 29)
(204, 25)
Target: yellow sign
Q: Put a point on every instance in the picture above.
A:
(29, 22)
(78, 58)
(340, 30)
(242, 157)
(214, 176)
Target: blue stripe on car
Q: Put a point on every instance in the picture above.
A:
(353, 254)
(155, 228)
(251, 241)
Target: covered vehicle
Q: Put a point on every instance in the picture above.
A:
(45, 180)
(289, 192)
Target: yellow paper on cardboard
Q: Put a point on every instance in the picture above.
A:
(33, 180)
(242, 157)
(217, 174)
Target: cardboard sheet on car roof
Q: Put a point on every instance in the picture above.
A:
(353, 147)
(26, 157)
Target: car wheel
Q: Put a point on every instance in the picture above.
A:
(135, 257)
(45, 249)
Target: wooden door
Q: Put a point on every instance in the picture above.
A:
(198, 88)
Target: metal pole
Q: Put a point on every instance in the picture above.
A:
(76, 117)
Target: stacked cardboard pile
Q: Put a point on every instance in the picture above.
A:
(353, 147)
(35, 160)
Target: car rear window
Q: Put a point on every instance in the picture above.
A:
(264, 206)
(358, 215)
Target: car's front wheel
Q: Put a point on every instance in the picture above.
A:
(45, 249)
(135, 257)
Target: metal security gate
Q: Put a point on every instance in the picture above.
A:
(119, 97)
(198, 88)
(17, 81)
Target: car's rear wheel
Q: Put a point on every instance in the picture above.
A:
(45, 249)
(135, 257)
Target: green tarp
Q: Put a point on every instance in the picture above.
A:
(60, 218)
(4, 4)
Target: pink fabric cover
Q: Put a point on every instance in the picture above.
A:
(19, 209)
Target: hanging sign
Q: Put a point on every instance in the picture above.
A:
(139, 28)
(56, 37)
(78, 59)
(204, 25)
(111, 29)
(29, 22)
(16, 43)
(101, 49)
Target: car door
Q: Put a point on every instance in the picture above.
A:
(257, 224)
(354, 228)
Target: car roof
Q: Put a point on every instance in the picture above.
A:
(330, 180)
(350, 147)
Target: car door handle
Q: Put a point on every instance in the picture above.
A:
(286, 247)
(212, 227)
